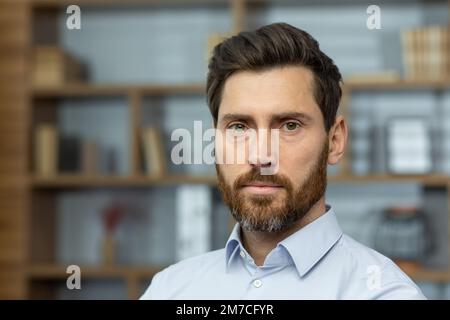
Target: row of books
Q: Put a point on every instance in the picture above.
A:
(426, 52)
(55, 153)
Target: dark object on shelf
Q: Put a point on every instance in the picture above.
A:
(89, 156)
(69, 154)
(403, 234)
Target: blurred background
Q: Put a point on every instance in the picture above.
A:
(89, 98)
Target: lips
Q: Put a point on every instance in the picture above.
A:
(261, 188)
(262, 185)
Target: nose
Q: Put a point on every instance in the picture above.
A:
(263, 153)
(259, 160)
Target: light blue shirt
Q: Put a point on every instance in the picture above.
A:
(316, 262)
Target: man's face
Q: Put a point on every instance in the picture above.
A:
(280, 98)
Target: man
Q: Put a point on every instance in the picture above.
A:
(287, 243)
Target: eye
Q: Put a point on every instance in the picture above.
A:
(291, 126)
(237, 127)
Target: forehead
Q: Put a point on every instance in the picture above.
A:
(266, 93)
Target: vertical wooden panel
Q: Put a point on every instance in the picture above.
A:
(42, 227)
(133, 288)
(238, 15)
(14, 44)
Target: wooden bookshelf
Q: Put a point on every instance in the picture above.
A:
(40, 264)
(24, 193)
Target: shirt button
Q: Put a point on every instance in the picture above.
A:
(257, 283)
(242, 254)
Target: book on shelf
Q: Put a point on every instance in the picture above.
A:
(193, 221)
(374, 77)
(46, 150)
(426, 52)
(153, 151)
(89, 157)
(52, 67)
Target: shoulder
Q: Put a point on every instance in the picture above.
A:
(182, 273)
(375, 274)
(360, 255)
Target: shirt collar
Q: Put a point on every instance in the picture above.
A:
(233, 245)
(306, 247)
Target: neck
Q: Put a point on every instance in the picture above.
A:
(259, 243)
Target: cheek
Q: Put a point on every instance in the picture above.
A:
(229, 172)
(297, 160)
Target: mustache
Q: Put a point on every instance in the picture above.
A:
(254, 175)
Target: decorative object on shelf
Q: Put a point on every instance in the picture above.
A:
(53, 67)
(112, 215)
(409, 146)
(402, 235)
(89, 157)
(154, 154)
(426, 52)
(46, 150)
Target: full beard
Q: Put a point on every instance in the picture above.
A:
(274, 213)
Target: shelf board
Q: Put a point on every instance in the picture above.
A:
(128, 3)
(89, 181)
(49, 272)
(429, 180)
(80, 181)
(401, 84)
(430, 275)
(93, 90)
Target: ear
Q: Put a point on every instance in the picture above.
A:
(337, 138)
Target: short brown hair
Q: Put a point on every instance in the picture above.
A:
(275, 45)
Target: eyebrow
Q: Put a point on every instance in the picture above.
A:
(228, 117)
